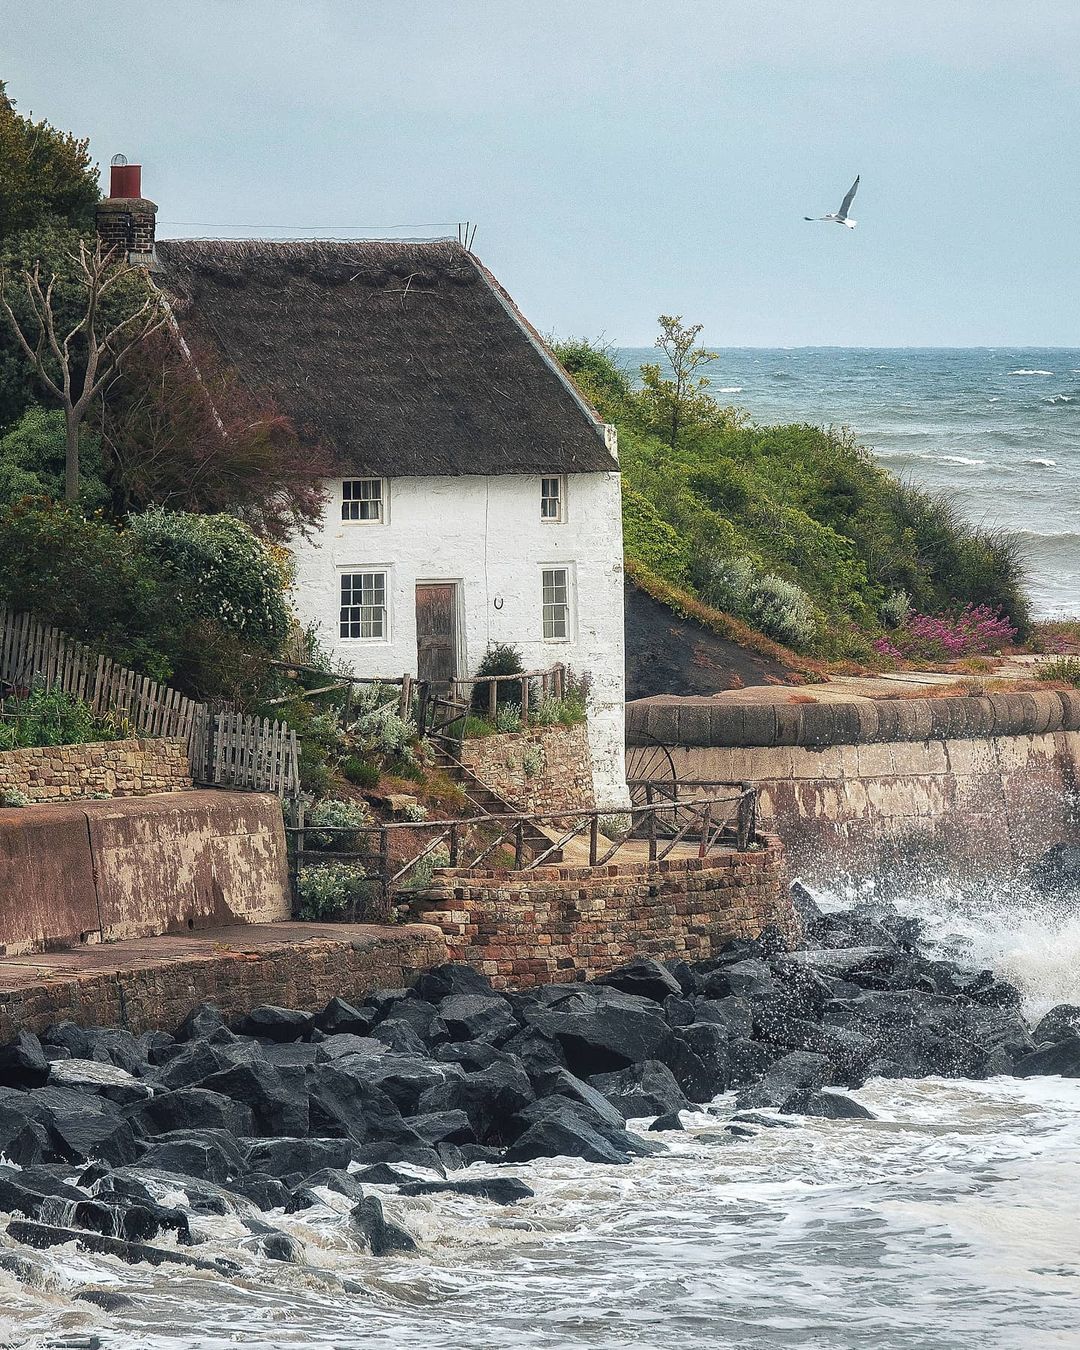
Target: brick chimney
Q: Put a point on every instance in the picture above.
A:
(125, 218)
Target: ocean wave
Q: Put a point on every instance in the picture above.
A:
(1031, 372)
(958, 459)
(730, 389)
(1062, 398)
(1042, 463)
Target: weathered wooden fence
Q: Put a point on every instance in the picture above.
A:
(226, 749)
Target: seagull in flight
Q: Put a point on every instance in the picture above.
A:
(841, 217)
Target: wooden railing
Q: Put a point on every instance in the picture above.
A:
(724, 820)
(226, 749)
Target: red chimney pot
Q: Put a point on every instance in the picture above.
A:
(125, 180)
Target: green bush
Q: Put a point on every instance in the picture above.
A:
(32, 459)
(361, 772)
(342, 816)
(329, 890)
(1065, 669)
(778, 608)
(50, 717)
(500, 659)
(13, 797)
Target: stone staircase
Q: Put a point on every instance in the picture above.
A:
(485, 801)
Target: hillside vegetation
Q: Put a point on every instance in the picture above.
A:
(795, 530)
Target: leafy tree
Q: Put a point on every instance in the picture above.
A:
(32, 460)
(672, 407)
(594, 370)
(46, 175)
(181, 430)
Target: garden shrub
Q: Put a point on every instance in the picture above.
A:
(975, 631)
(499, 659)
(328, 890)
(50, 717)
(361, 772)
(340, 814)
(1064, 669)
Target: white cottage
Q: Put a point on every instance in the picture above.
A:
(477, 499)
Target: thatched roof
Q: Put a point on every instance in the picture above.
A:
(402, 358)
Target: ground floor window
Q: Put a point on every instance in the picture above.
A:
(556, 603)
(363, 605)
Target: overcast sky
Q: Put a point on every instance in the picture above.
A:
(622, 157)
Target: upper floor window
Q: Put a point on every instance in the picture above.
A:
(363, 499)
(552, 496)
(363, 605)
(556, 603)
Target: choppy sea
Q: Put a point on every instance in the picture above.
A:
(948, 1223)
(997, 427)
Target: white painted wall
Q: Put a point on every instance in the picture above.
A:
(486, 535)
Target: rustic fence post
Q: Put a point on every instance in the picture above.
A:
(493, 699)
(384, 870)
(652, 821)
(524, 704)
(455, 846)
(594, 838)
(519, 845)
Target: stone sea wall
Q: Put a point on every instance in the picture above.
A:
(130, 768)
(543, 769)
(989, 782)
(567, 923)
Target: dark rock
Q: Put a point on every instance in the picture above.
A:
(23, 1063)
(42, 1235)
(156, 1046)
(795, 1073)
(381, 1235)
(339, 1046)
(490, 1099)
(343, 1104)
(278, 1246)
(108, 1300)
(200, 1022)
(669, 1121)
(804, 904)
(266, 1192)
(444, 981)
(293, 1054)
(732, 1013)
(534, 1051)
(561, 1109)
(502, 1190)
(741, 1131)
(473, 1056)
(24, 1140)
(600, 1034)
(683, 974)
(645, 978)
(440, 1127)
(86, 1136)
(382, 1174)
(679, 1011)
(192, 1109)
(418, 1013)
(1060, 1024)
(338, 1180)
(759, 1118)
(104, 1080)
(749, 1060)
(698, 1056)
(199, 1060)
(1061, 1058)
(741, 979)
(301, 1198)
(339, 1017)
(403, 1078)
(561, 1082)
(1057, 870)
(210, 1154)
(400, 1037)
(451, 1156)
(389, 1151)
(280, 1157)
(277, 1097)
(67, 1036)
(647, 1089)
(828, 1106)
(850, 1053)
(479, 1153)
(474, 1017)
(271, 1023)
(566, 1135)
(113, 1045)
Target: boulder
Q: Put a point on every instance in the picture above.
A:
(345, 1043)
(23, 1063)
(441, 1127)
(828, 1106)
(647, 1089)
(749, 1060)
(698, 1056)
(490, 1099)
(562, 1083)
(1059, 1024)
(277, 1097)
(199, 1060)
(403, 1078)
(733, 1013)
(391, 1151)
(502, 1190)
(564, 1134)
(268, 1022)
(401, 1037)
(381, 1236)
(644, 978)
(443, 981)
(419, 1013)
(794, 1073)
(1062, 1058)
(338, 1180)
(670, 1121)
(739, 979)
(23, 1140)
(113, 1045)
(474, 1017)
(87, 1136)
(1057, 870)
(104, 1080)
(602, 1034)
(264, 1191)
(534, 1051)
(280, 1157)
(804, 905)
(342, 1104)
(559, 1109)
(339, 1017)
(209, 1154)
(200, 1022)
(192, 1109)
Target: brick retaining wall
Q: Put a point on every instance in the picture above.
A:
(559, 923)
(130, 768)
(562, 776)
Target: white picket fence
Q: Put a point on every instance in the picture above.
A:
(227, 749)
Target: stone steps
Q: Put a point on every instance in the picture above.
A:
(485, 801)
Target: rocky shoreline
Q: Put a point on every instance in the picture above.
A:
(126, 1144)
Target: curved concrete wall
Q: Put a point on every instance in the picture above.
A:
(984, 782)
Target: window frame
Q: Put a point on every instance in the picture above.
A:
(560, 499)
(363, 571)
(567, 604)
(383, 500)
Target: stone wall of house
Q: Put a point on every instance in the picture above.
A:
(563, 923)
(132, 768)
(540, 770)
(307, 967)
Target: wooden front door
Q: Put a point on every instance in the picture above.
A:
(436, 633)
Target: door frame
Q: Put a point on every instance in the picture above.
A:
(458, 588)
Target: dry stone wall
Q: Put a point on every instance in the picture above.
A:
(130, 768)
(563, 923)
(544, 769)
